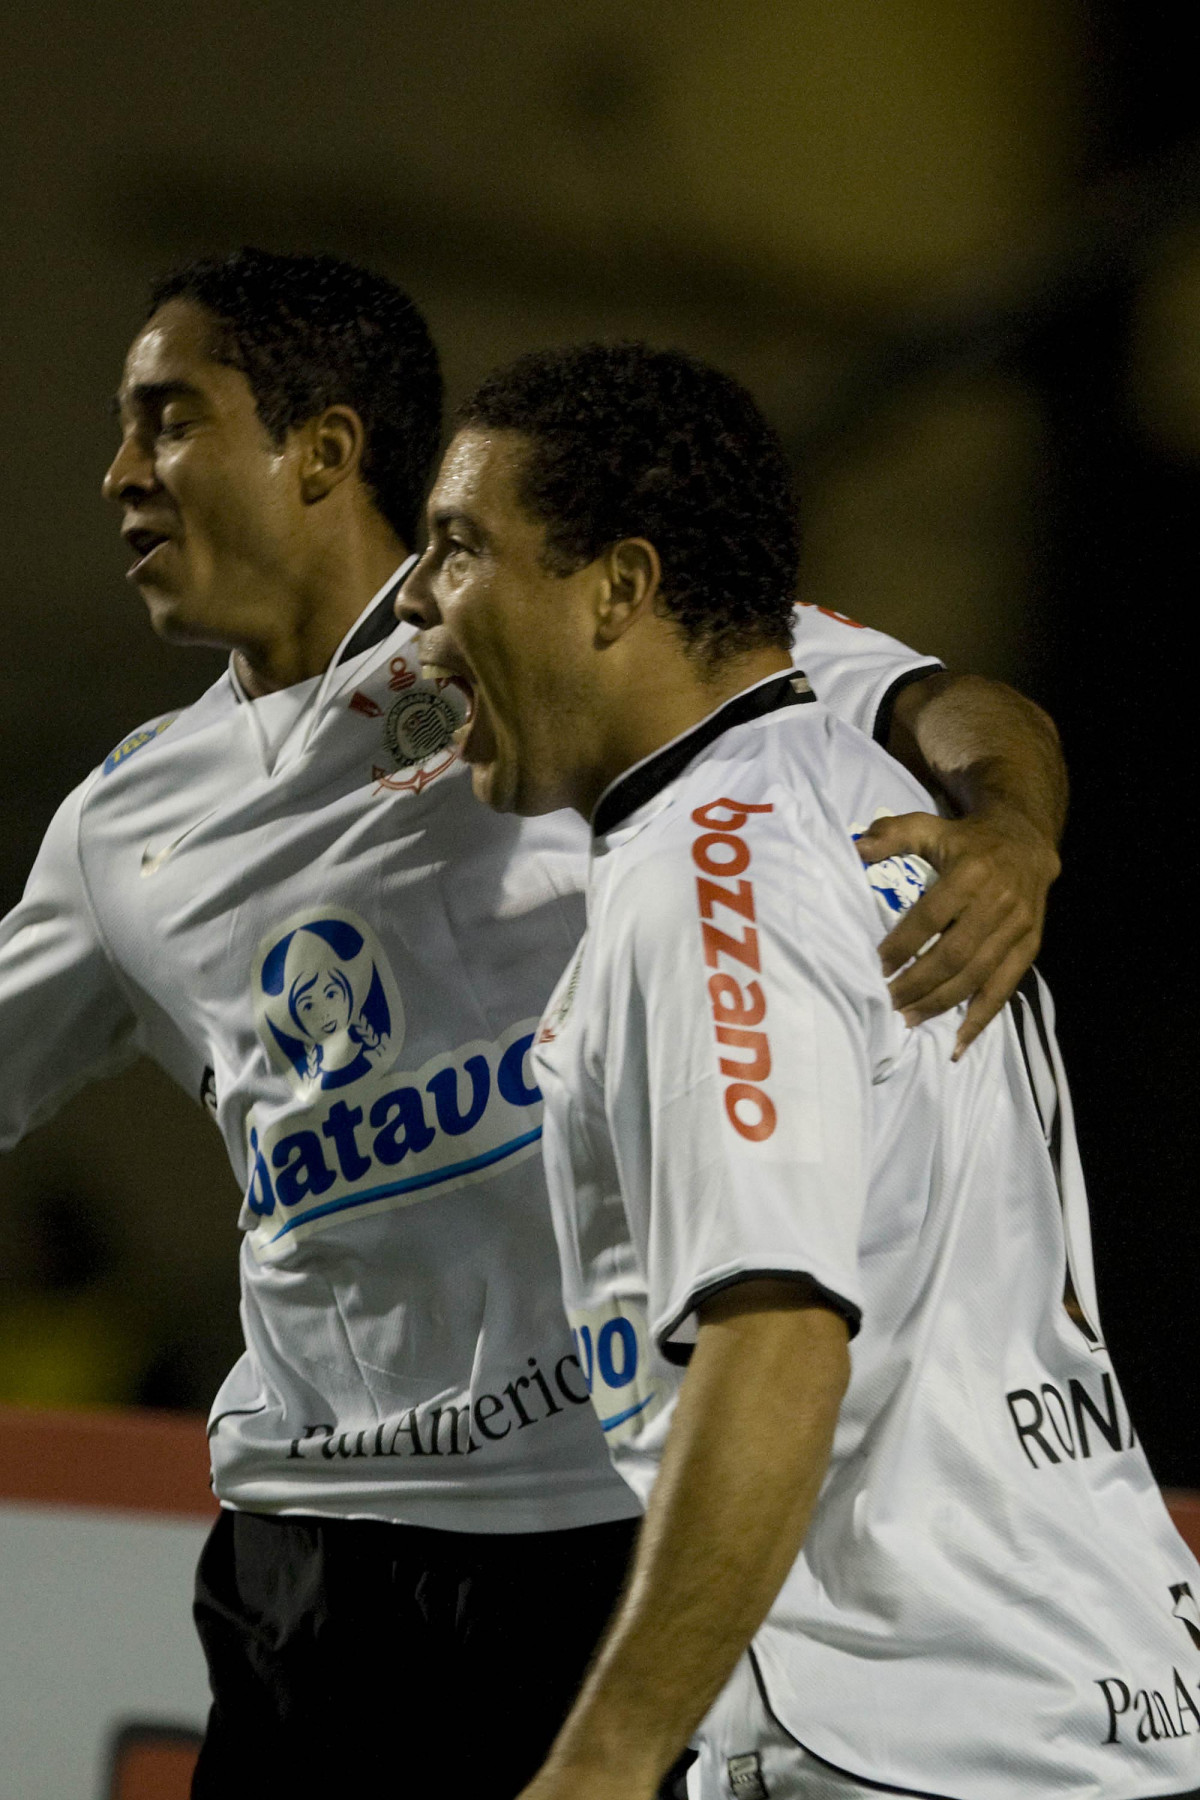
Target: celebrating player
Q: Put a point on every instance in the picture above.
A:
(937, 1565)
(288, 897)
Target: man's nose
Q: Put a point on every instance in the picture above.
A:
(415, 604)
(130, 474)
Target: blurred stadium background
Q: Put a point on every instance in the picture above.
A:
(955, 251)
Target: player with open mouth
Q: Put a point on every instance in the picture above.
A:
(832, 1291)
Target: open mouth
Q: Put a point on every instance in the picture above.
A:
(459, 685)
(143, 542)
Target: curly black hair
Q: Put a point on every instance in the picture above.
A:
(628, 441)
(313, 331)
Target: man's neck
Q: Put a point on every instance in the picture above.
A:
(305, 633)
(662, 707)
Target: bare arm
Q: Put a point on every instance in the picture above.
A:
(996, 757)
(743, 1465)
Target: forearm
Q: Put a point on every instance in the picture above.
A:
(743, 1466)
(986, 747)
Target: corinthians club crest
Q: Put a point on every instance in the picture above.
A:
(418, 735)
(326, 1002)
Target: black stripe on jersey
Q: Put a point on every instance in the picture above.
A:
(1027, 992)
(876, 1787)
(1052, 1127)
(681, 1354)
(646, 779)
(882, 729)
(380, 622)
(237, 1412)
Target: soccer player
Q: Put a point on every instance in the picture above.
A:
(288, 897)
(831, 1291)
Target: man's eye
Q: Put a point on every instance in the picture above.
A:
(174, 428)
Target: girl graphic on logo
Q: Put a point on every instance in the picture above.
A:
(325, 1003)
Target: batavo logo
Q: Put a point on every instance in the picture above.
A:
(612, 1343)
(395, 1140)
(325, 1000)
(739, 1006)
(356, 1135)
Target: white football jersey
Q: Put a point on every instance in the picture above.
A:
(299, 910)
(992, 1600)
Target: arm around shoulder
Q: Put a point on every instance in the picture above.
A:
(984, 746)
(996, 758)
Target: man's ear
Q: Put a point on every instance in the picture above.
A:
(633, 577)
(331, 449)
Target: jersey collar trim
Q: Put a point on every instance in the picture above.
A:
(374, 624)
(631, 791)
(379, 621)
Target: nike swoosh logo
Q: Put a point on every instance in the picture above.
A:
(153, 860)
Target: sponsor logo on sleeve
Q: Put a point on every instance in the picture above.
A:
(612, 1343)
(137, 741)
(898, 881)
(739, 1004)
(358, 1136)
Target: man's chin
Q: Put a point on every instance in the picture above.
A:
(503, 789)
(173, 620)
(488, 785)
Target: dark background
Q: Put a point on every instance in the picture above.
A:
(956, 253)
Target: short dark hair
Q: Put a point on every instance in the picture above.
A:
(313, 331)
(627, 441)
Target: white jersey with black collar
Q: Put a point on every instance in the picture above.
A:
(297, 908)
(992, 1600)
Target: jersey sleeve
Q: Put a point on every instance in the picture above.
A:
(856, 671)
(63, 1016)
(741, 1069)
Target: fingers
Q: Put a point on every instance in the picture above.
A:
(978, 927)
(955, 977)
(906, 834)
(973, 934)
(966, 956)
(935, 912)
(995, 993)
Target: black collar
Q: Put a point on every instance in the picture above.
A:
(381, 621)
(628, 792)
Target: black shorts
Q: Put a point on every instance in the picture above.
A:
(347, 1656)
